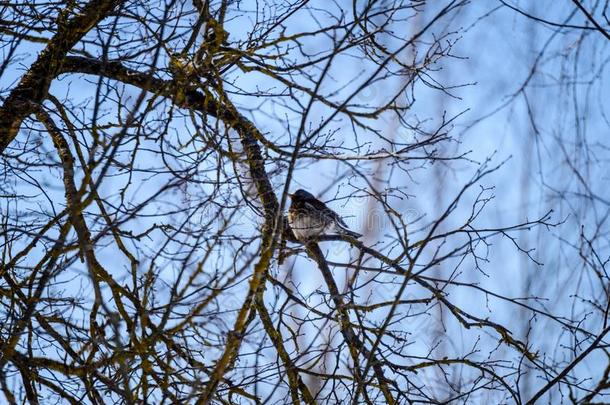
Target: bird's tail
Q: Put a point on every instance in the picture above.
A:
(344, 231)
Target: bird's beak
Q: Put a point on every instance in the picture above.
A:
(290, 195)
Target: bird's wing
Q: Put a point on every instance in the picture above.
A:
(325, 212)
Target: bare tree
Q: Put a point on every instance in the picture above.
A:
(148, 149)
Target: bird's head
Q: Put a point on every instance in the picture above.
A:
(301, 194)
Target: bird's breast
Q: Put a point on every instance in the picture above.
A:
(305, 226)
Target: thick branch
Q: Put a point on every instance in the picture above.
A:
(33, 87)
(355, 345)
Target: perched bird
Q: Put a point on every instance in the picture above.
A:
(309, 217)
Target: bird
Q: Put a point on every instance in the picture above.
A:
(309, 218)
